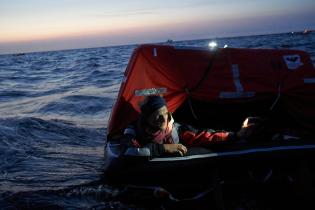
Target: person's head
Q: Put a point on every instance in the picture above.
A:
(154, 113)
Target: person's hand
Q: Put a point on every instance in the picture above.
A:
(175, 148)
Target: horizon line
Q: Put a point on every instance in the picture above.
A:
(157, 42)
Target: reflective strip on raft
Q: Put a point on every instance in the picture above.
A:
(236, 78)
(150, 91)
(237, 94)
(309, 80)
(154, 52)
(238, 86)
(240, 152)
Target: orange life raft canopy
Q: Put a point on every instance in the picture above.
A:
(219, 88)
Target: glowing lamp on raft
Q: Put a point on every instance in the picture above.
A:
(245, 123)
(213, 45)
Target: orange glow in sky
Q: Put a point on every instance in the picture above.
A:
(39, 25)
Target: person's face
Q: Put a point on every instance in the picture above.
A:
(159, 118)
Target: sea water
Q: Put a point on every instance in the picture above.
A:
(54, 110)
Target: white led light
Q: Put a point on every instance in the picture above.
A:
(213, 44)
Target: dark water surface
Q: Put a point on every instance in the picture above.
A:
(54, 108)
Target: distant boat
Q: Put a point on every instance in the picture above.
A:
(307, 31)
(19, 54)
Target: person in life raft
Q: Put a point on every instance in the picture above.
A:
(156, 130)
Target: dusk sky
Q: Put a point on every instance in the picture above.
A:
(40, 25)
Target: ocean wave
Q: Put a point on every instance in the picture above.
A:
(77, 104)
(39, 154)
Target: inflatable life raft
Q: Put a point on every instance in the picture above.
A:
(215, 89)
